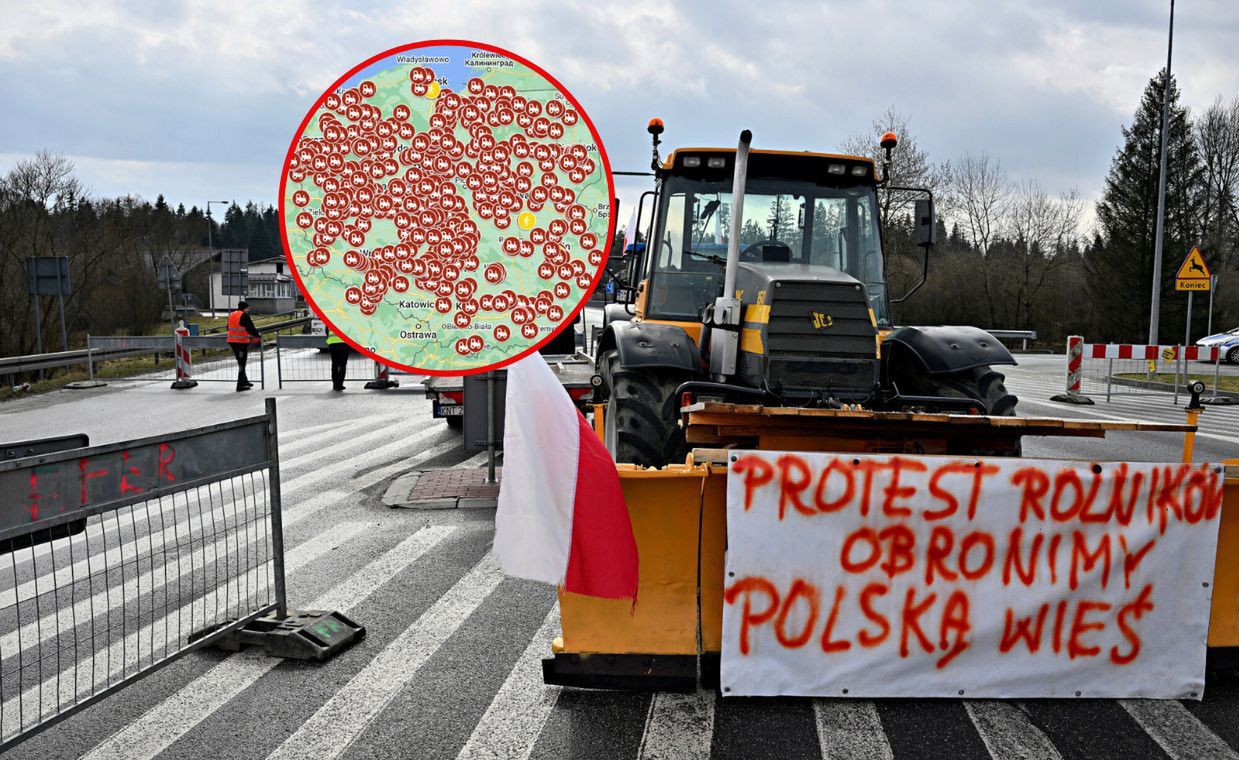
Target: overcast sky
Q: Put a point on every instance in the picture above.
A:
(199, 100)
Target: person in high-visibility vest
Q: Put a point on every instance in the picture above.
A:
(241, 335)
(339, 359)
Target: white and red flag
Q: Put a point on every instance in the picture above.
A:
(562, 517)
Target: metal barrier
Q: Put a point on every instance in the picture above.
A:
(299, 359)
(181, 547)
(1021, 335)
(221, 368)
(1111, 370)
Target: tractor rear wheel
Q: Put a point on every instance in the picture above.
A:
(641, 425)
(982, 384)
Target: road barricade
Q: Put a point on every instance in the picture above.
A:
(303, 359)
(825, 568)
(1123, 369)
(180, 546)
(184, 362)
(215, 361)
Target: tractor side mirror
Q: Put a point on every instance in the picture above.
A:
(926, 235)
(926, 225)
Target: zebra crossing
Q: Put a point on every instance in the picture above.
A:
(1216, 423)
(450, 666)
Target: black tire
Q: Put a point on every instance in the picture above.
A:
(1232, 356)
(641, 423)
(982, 384)
(456, 422)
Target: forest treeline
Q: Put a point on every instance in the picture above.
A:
(1011, 254)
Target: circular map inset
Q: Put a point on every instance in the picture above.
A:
(446, 207)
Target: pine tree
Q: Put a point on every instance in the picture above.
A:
(1121, 271)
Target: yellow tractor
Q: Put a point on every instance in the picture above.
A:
(756, 317)
(762, 280)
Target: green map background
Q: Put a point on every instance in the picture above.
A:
(380, 333)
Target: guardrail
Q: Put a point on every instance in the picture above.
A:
(125, 557)
(1021, 335)
(11, 367)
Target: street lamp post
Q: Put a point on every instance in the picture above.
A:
(211, 260)
(1155, 309)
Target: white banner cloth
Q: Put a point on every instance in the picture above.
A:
(900, 576)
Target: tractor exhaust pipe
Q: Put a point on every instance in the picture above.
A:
(737, 212)
(725, 316)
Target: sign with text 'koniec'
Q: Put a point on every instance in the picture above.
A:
(894, 576)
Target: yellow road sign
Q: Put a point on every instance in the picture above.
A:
(1194, 273)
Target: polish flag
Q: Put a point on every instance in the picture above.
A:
(562, 517)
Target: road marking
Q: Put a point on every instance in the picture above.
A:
(679, 727)
(1075, 409)
(171, 719)
(1179, 733)
(142, 587)
(344, 717)
(850, 729)
(474, 461)
(514, 720)
(1007, 732)
(65, 687)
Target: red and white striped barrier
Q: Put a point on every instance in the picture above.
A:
(1075, 373)
(1148, 353)
(1078, 352)
(184, 361)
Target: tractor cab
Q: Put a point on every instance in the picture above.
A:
(762, 281)
(804, 213)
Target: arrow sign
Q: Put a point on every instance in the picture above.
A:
(1194, 273)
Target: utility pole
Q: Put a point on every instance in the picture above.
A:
(1155, 310)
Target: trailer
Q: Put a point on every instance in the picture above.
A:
(461, 400)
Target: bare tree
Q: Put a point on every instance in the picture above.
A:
(910, 167)
(1045, 229)
(978, 199)
(1217, 137)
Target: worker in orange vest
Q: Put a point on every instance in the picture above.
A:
(241, 334)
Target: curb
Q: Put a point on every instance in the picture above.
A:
(398, 494)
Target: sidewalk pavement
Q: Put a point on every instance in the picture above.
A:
(444, 488)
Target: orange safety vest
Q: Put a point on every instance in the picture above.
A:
(237, 333)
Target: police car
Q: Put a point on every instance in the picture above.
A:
(1227, 344)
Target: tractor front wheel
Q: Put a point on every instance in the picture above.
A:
(641, 425)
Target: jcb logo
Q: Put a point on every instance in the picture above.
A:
(821, 320)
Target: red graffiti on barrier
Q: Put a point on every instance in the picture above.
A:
(99, 478)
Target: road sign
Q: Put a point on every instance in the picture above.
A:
(1193, 274)
(168, 278)
(234, 271)
(47, 275)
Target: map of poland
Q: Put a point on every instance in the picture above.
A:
(446, 207)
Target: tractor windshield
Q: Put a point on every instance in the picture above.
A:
(792, 221)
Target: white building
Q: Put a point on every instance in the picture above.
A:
(271, 288)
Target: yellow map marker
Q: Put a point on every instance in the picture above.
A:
(432, 91)
(526, 220)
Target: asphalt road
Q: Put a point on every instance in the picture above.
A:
(449, 666)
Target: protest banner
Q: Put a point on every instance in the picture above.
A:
(897, 576)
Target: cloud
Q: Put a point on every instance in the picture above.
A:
(200, 99)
